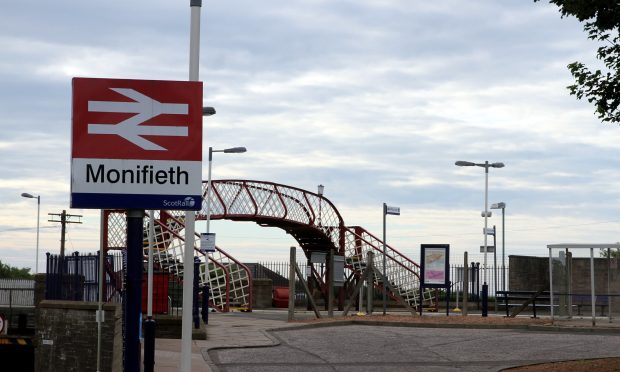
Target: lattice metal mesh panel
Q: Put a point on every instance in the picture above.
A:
(402, 273)
(229, 281)
(117, 229)
(265, 199)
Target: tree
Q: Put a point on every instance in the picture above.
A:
(10, 272)
(615, 253)
(601, 20)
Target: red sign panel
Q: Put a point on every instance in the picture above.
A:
(137, 119)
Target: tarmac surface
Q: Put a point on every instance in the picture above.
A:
(263, 340)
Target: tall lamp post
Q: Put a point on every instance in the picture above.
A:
(486, 214)
(232, 150)
(502, 206)
(38, 197)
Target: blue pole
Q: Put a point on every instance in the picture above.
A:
(131, 360)
(195, 313)
(205, 303)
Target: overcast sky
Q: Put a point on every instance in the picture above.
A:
(375, 99)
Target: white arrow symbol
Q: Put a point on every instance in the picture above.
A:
(130, 129)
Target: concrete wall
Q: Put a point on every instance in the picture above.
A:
(66, 337)
(262, 293)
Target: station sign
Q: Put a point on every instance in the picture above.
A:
(392, 210)
(136, 144)
(207, 242)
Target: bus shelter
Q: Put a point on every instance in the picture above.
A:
(592, 295)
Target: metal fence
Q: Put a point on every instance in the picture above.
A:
(496, 279)
(17, 292)
(278, 272)
(17, 304)
(76, 278)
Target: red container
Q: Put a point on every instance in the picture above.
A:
(160, 293)
(280, 297)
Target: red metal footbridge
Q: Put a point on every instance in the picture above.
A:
(310, 218)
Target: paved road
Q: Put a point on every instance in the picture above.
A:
(359, 348)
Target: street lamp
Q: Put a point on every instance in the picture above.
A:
(232, 150)
(502, 206)
(38, 197)
(486, 214)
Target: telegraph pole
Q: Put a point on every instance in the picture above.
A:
(64, 219)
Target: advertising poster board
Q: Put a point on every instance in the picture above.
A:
(435, 266)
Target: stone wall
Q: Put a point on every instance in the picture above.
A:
(66, 337)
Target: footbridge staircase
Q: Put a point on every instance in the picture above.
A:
(310, 218)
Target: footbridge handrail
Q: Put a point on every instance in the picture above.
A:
(273, 204)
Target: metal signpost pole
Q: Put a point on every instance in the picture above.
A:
(209, 189)
(465, 285)
(503, 249)
(495, 266)
(393, 211)
(101, 279)
(190, 216)
(149, 324)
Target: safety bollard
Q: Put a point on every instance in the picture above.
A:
(149, 344)
(205, 303)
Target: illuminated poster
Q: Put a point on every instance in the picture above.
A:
(435, 264)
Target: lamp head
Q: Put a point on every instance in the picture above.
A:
(320, 190)
(500, 205)
(497, 165)
(235, 150)
(27, 195)
(208, 111)
(462, 163)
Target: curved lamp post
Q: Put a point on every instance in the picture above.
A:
(232, 150)
(486, 214)
(38, 197)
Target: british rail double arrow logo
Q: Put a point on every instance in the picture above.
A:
(145, 109)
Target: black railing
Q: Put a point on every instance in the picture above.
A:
(76, 278)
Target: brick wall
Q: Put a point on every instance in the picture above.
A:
(66, 337)
(529, 273)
